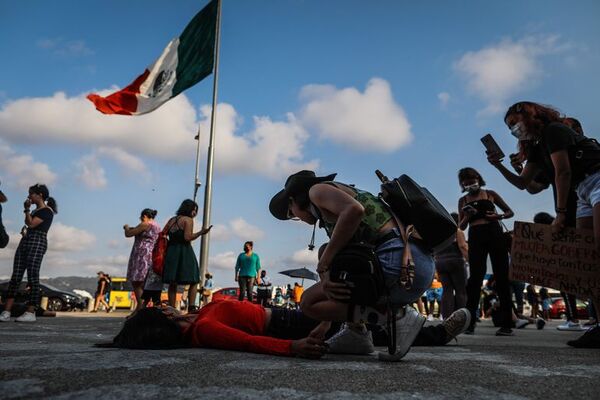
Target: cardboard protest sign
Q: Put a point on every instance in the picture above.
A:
(565, 260)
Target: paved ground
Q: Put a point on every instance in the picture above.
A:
(54, 359)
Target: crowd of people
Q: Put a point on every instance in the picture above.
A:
(334, 316)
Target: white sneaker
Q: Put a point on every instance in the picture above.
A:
(26, 317)
(407, 329)
(5, 316)
(570, 326)
(350, 341)
(430, 317)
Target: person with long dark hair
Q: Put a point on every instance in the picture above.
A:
(477, 210)
(181, 264)
(31, 250)
(568, 158)
(140, 260)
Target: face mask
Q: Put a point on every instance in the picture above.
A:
(519, 131)
(474, 188)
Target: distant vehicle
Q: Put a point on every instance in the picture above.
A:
(229, 293)
(121, 293)
(58, 300)
(558, 309)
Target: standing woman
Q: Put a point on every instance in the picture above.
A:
(140, 260)
(569, 159)
(477, 210)
(450, 265)
(31, 250)
(181, 264)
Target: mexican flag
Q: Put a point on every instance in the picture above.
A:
(184, 62)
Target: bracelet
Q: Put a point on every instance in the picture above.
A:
(26, 211)
(561, 210)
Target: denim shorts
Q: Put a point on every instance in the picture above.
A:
(390, 258)
(588, 195)
(434, 294)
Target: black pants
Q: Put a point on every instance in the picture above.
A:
(570, 305)
(293, 325)
(263, 297)
(484, 240)
(246, 285)
(28, 257)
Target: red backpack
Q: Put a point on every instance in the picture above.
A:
(160, 250)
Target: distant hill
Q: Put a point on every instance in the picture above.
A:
(68, 283)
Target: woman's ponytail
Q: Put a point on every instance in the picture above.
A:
(52, 204)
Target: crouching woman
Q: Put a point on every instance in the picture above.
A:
(350, 215)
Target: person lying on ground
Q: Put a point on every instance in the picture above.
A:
(244, 326)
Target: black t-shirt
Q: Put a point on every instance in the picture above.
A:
(557, 137)
(46, 215)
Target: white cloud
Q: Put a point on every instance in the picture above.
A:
(220, 233)
(246, 231)
(224, 261)
(500, 71)
(304, 258)
(444, 98)
(62, 47)
(269, 148)
(68, 238)
(370, 121)
(129, 162)
(91, 174)
(21, 171)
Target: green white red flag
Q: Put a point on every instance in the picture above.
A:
(184, 62)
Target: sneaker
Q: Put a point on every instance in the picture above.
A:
(26, 317)
(407, 329)
(521, 323)
(540, 323)
(589, 340)
(430, 317)
(458, 322)
(505, 332)
(350, 341)
(5, 316)
(570, 326)
(591, 323)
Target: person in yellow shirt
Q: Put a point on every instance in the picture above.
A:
(434, 294)
(298, 290)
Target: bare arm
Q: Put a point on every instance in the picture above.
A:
(188, 234)
(462, 244)
(562, 177)
(519, 181)
(142, 227)
(499, 201)
(463, 218)
(349, 213)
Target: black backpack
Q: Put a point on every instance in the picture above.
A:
(357, 266)
(415, 205)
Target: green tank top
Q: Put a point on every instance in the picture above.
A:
(376, 216)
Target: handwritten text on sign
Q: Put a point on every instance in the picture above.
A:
(564, 260)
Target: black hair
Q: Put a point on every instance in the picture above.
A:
(149, 328)
(187, 207)
(454, 215)
(149, 213)
(250, 242)
(470, 173)
(43, 191)
(543, 218)
(574, 124)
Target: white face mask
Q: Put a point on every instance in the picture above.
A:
(474, 188)
(519, 131)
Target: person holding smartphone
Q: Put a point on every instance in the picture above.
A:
(477, 210)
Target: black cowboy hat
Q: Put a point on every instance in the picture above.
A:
(294, 184)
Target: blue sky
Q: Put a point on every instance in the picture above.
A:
(339, 86)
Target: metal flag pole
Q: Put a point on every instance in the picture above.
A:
(197, 182)
(204, 245)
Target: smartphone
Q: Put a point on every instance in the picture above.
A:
(491, 145)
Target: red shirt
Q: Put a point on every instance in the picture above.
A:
(234, 325)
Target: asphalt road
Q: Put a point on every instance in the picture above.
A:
(54, 359)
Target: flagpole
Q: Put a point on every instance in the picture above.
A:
(197, 182)
(204, 245)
